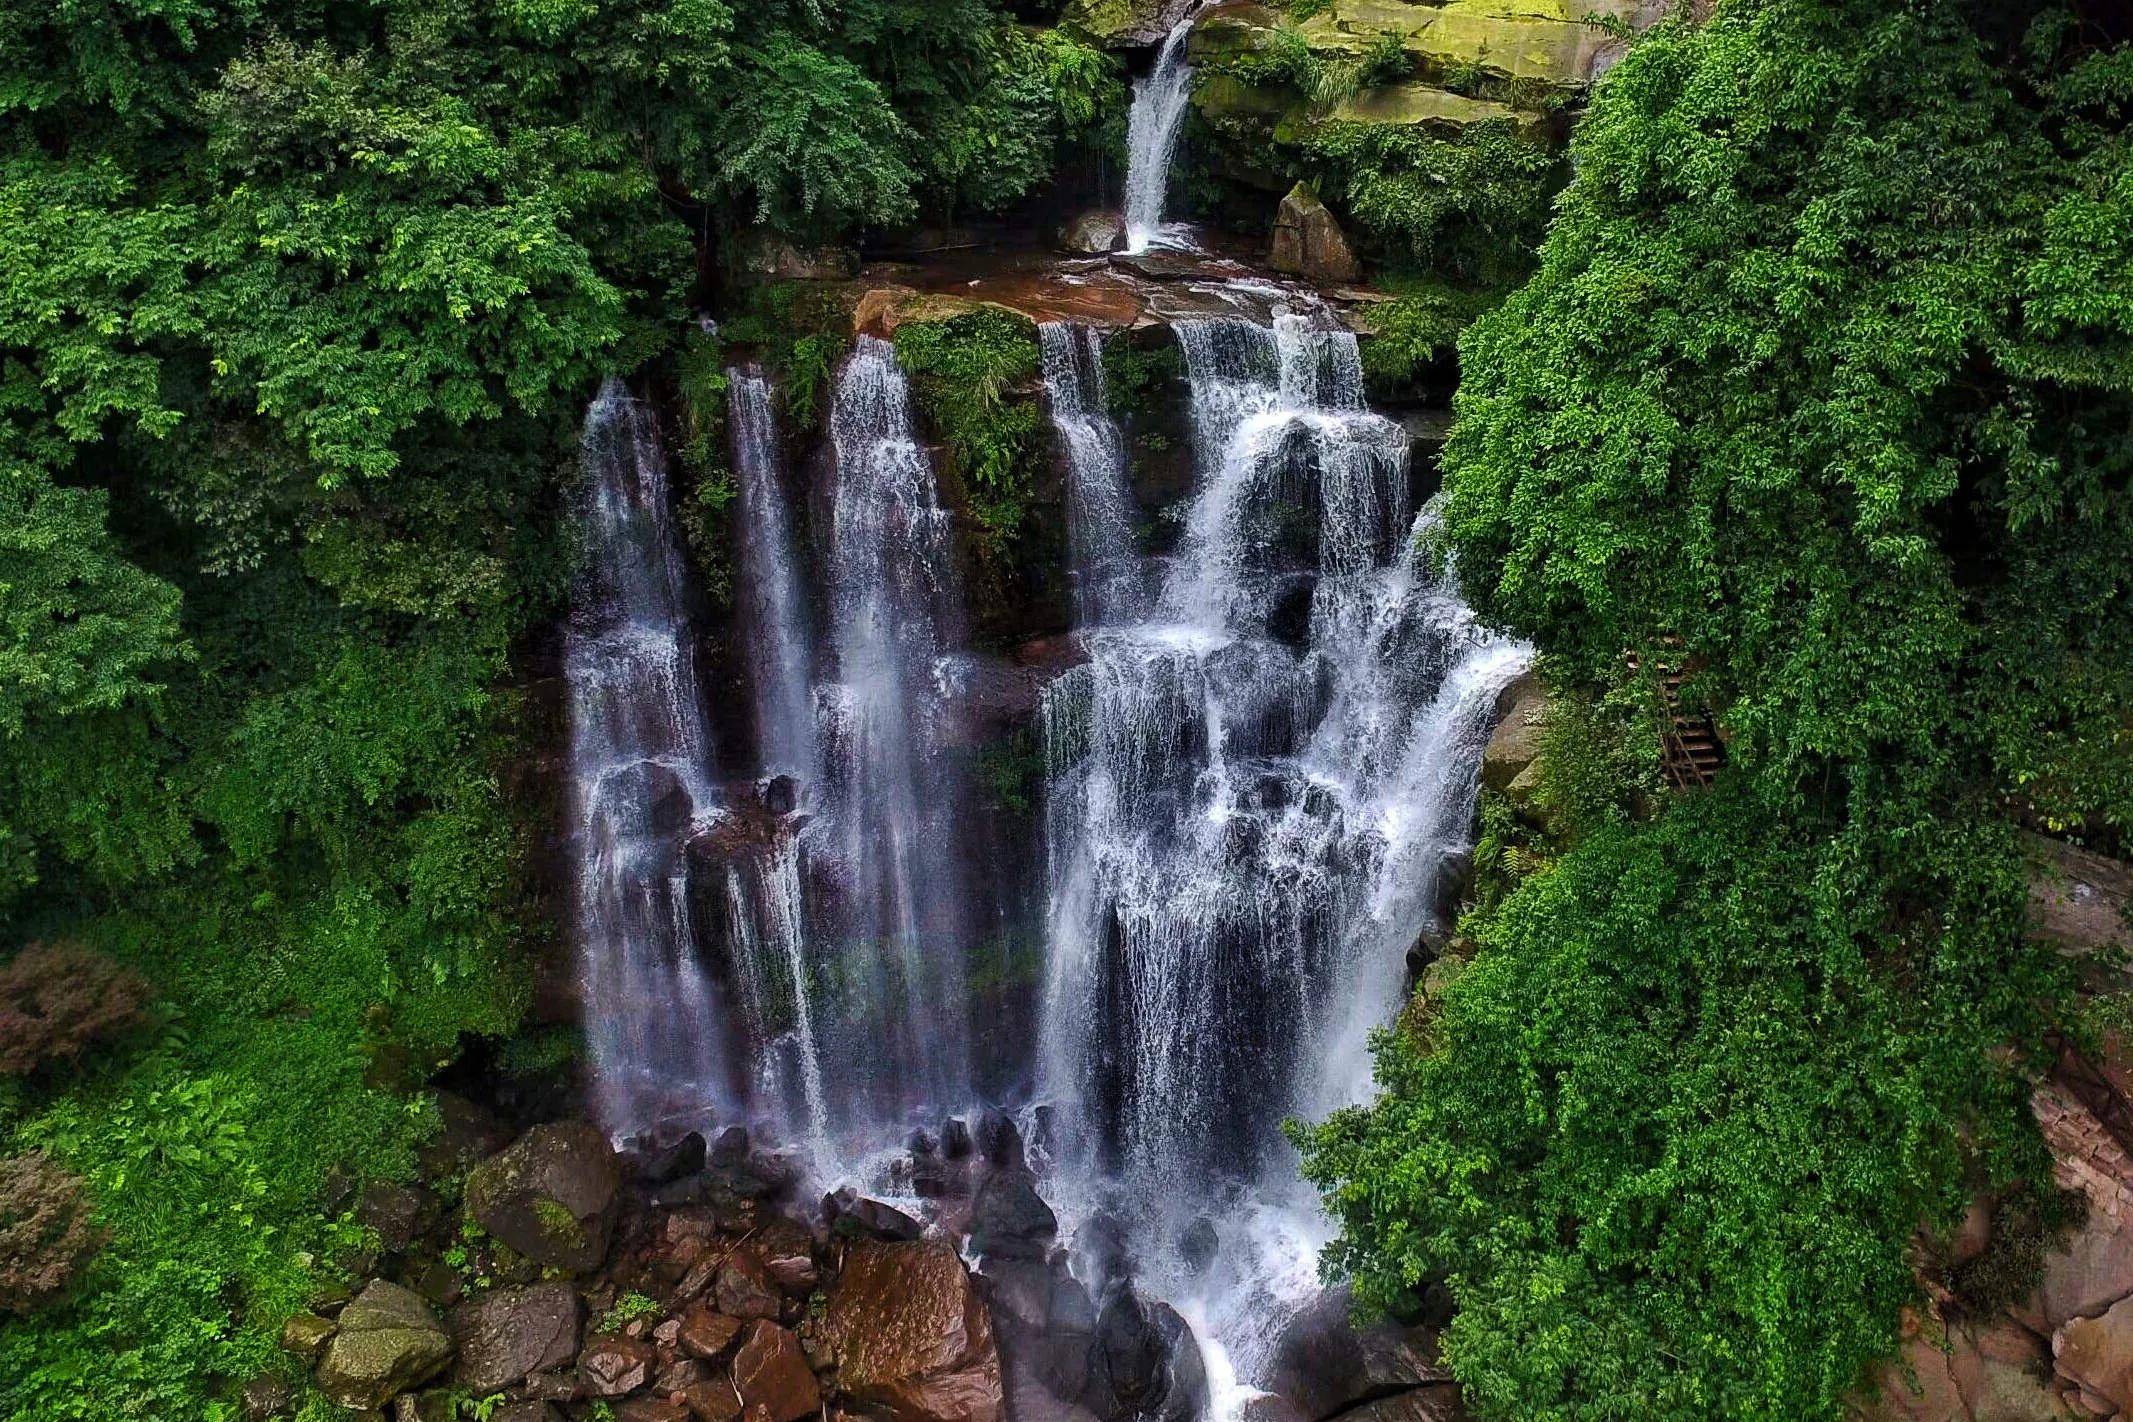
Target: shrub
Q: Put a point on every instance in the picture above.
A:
(57, 999)
(965, 378)
(46, 1234)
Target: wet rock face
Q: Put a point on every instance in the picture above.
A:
(388, 1342)
(1009, 1219)
(909, 1338)
(1326, 1365)
(551, 1196)
(1144, 1363)
(513, 1333)
(771, 1373)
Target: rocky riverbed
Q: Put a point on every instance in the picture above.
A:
(550, 1276)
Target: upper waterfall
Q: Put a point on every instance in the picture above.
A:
(1152, 126)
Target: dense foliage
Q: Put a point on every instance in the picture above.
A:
(302, 306)
(1822, 393)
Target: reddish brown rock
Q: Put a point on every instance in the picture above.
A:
(788, 1255)
(909, 1337)
(652, 1409)
(713, 1401)
(1968, 1373)
(2097, 1353)
(745, 1288)
(771, 1373)
(616, 1366)
(705, 1332)
(511, 1333)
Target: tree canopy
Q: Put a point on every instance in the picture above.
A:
(1822, 394)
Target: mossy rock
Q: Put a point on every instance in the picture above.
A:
(551, 1196)
(1546, 40)
(1123, 24)
(1533, 52)
(388, 1342)
(1423, 105)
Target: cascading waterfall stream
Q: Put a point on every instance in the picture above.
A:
(1152, 125)
(773, 605)
(886, 850)
(639, 749)
(1254, 788)
(766, 907)
(1106, 571)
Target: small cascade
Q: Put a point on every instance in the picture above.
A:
(773, 606)
(1255, 787)
(1152, 125)
(886, 854)
(639, 749)
(1106, 572)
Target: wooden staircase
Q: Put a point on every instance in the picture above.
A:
(1690, 752)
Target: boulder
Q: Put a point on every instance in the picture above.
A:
(1325, 1363)
(1970, 1373)
(713, 1401)
(788, 1254)
(306, 1335)
(530, 1411)
(705, 1332)
(468, 1135)
(2078, 900)
(909, 1337)
(1000, 1140)
(1144, 1363)
(1094, 232)
(684, 1157)
(395, 1213)
(388, 1342)
(1515, 743)
(1309, 243)
(2097, 1353)
(1009, 1219)
(551, 1196)
(653, 1409)
(616, 1365)
(509, 1334)
(882, 1220)
(266, 1396)
(1437, 1402)
(731, 1147)
(1198, 1244)
(745, 1288)
(771, 1373)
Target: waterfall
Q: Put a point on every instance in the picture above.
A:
(887, 847)
(1100, 515)
(773, 607)
(1152, 124)
(1254, 788)
(638, 751)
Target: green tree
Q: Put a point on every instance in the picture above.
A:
(1820, 392)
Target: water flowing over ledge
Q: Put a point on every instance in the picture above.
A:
(1260, 766)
